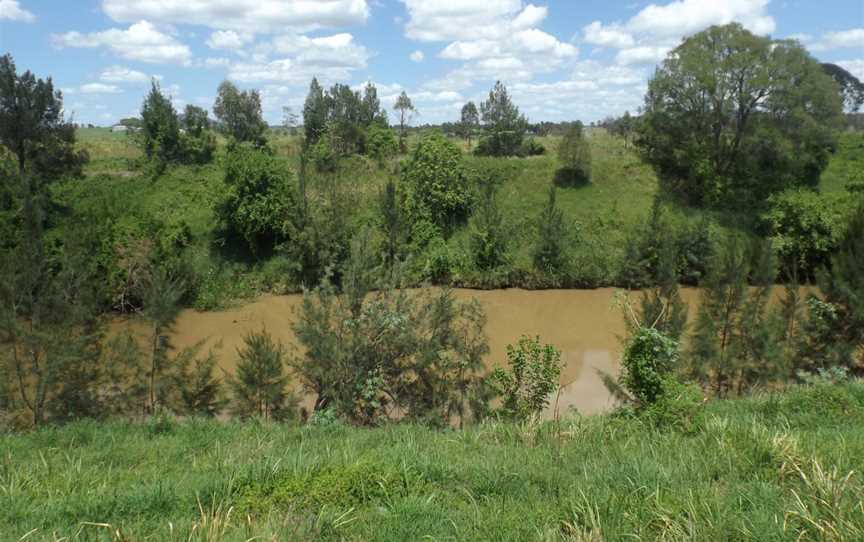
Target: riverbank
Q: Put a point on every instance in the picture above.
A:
(785, 466)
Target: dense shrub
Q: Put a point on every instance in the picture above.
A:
(260, 199)
(381, 144)
(503, 126)
(649, 359)
(532, 147)
(322, 155)
(805, 227)
(436, 183)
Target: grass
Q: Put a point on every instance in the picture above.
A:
(780, 466)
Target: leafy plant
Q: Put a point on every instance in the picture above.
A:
(530, 378)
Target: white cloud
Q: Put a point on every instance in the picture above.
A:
(11, 10)
(245, 15)
(610, 36)
(416, 56)
(330, 58)
(448, 20)
(142, 41)
(844, 39)
(122, 74)
(216, 62)
(228, 40)
(647, 36)
(855, 67)
(99, 88)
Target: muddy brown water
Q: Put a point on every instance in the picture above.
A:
(585, 325)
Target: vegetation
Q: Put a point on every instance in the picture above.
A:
(574, 153)
(732, 117)
(239, 114)
(503, 126)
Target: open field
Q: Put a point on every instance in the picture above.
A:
(784, 466)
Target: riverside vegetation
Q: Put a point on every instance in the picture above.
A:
(359, 217)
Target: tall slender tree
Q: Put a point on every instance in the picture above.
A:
(406, 109)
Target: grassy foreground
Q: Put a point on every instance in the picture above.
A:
(784, 466)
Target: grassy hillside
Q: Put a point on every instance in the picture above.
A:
(784, 466)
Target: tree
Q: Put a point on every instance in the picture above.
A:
(504, 127)
(469, 122)
(406, 109)
(730, 118)
(259, 385)
(197, 144)
(436, 184)
(530, 378)
(160, 128)
(392, 224)
(851, 88)
(314, 113)
(574, 154)
(32, 126)
(240, 114)
(200, 391)
(381, 143)
(370, 107)
(369, 357)
(259, 200)
(550, 253)
(489, 237)
(195, 120)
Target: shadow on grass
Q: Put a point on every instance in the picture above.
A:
(571, 178)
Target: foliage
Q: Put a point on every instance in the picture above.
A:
(574, 154)
(469, 121)
(551, 253)
(160, 128)
(32, 127)
(851, 88)
(161, 297)
(314, 113)
(381, 143)
(201, 391)
(503, 126)
(372, 356)
(731, 118)
(649, 359)
(406, 110)
(322, 155)
(436, 183)
(489, 236)
(736, 341)
(239, 114)
(806, 227)
(259, 200)
(532, 147)
(259, 384)
(530, 378)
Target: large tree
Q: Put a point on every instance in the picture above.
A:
(731, 117)
(314, 113)
(32, 125)
(504, 126)
(240, 113)
(160, 127)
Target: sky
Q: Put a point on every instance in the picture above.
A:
(561, 60)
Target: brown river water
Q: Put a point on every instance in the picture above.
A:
(585, 325)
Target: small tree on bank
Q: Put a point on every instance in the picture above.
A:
(530, 378)
(259, 385)
(504, 127)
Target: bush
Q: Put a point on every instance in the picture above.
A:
(259, 385)
(532, 147)
(550, 253)
(323, 157)
(805, 227)
(531, 377)
(679, 406)
(649, 359)
(381, 144)
(436, 183)
(197, 149)
(260, 200)
(489, 237)
(574, 154)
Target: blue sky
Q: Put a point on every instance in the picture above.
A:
(561, 59)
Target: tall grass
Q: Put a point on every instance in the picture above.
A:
(783, 466)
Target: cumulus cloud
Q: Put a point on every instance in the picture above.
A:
(330, 58)
(98, 88)
(416, 56)
(243, 15)
(122, 74)
(11, 10)
(647, 36)
(229, 40)
(142, 41)
(843, 39)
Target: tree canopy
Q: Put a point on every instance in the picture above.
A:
(504, 126)
(733, 117)
(240, 113)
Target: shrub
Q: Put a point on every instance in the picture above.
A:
(550, 253)
(532, 147)
(489, 237)
(574, 154)
(805, 227)
(260, 199)
(530, 378)
(649, 359)
(678, 406)
(381, 144)
(322, 155)
(436, 183)
(259, 385)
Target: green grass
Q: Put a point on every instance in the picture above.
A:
(783, 466)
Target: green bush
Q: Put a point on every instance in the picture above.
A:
(532, 147)
(649, 359)
(678, 406)
(436, 183)
(530, 378)
(381, 144)
(260, 199)
(322, 156)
